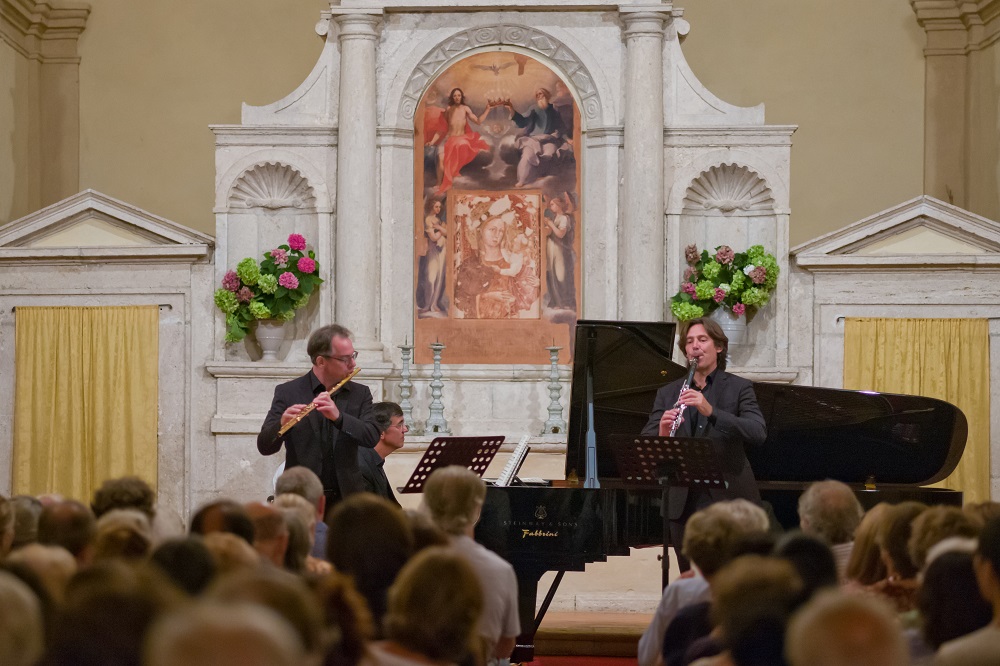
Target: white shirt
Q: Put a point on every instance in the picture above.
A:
(682, 592)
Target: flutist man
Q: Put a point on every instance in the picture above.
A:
(327, 440)
(719, 406)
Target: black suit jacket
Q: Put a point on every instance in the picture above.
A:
(304, 443)
(373, 474)
(737, 422)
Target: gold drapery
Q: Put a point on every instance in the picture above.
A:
(948, 359)
(85, 400)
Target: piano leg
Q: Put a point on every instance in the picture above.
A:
(527, 593)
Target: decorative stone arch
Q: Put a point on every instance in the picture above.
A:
(273, 186)
(725, 189)
(462, 43)
(283, 164)
(676, 200)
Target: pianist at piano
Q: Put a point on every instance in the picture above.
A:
(717, 405)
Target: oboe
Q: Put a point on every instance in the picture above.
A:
(692, 366)
(312, 405)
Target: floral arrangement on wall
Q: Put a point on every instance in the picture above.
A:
(738, 281)
(274, 288)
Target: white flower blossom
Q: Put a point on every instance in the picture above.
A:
(748, 269)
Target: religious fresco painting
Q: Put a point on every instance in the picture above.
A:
(497, 221)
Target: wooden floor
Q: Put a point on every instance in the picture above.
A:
(589, 635)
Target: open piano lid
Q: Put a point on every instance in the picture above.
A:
(816, 433)
(629, 362)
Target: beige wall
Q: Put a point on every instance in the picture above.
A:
(850, 74)
(984, 132)
(157, 73)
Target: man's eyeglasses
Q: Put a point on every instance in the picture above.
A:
(401, 426)
(343, 359)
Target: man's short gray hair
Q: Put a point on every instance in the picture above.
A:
(830, 509)
(300, 481)
(837, 629)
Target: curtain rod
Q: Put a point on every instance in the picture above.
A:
(841, 318)
(162, 306)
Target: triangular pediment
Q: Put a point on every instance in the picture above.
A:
(921, 230)
(94, 225)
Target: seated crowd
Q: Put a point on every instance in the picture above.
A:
(101, 585)
(900, 584)
(374, 585)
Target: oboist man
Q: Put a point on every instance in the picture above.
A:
(327, 440)
(719, 406)
(389, 417)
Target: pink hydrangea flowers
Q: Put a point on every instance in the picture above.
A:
(296, 242)
(280, 256)
(288, 281)
(725, 255)
(231, 282)
(739, 309)
(758, 275)
(720, 295)
(306, 265)
(689, 288)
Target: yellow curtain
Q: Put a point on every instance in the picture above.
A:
(948, 359)
(85, 399)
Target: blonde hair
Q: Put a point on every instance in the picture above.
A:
(453, 496)
(711, 533)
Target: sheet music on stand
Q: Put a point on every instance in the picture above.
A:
(668, 461)
(513, 465)
(475, 453)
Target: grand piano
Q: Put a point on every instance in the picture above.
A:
(885, 446)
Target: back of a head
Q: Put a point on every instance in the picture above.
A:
(6, 525)
(835, 629)
(27, 511)
(230, 552)
(712, 533)
(435, 605)
(865, 565)
(369, 539)
(300, 481)
(894, 536)
(282, 592)
(53, 565)
(20, 622)
(831, 510)
(989, 545)
(935, 525)
(214, 634)
(124, 533)
(223, 516)
(187, 562)
(127, 492)
(69, 524)
(949, 600)
(453, 496)
(812, 558)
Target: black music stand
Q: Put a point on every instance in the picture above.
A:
(680, 462)
(475, 453)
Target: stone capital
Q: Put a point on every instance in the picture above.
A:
(38, 29)
(955, 27)
(357, 25)
(644, 21)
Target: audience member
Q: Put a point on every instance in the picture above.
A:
(434, 609)
(187, 562)
(369, 540)
(865, 566)
(6, 526)
(900, 584)
(270, 533)
(453, 496)
(426, 533)
(837, 629)
(981, 647)
(223, 516)
(27, 510)
(122, 533)
(284, 593)
(127, 492)
(982, 512)
(348, 622)
(812, 559)
(933, 526)
(303, 482)
(69, 524)
(53, 565)
(949, 600)
(301, 515)
(213, 634)
(830, 510)
(709, 540)
(230, 552)
(21, 628)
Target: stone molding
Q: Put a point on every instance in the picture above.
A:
(956, 27)
(729, 188)
(47, 32)
(272, 185)
(503, 34)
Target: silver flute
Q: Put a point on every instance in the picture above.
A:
(692, 366)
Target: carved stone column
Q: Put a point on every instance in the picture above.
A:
(357, 227)
(641, 238)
